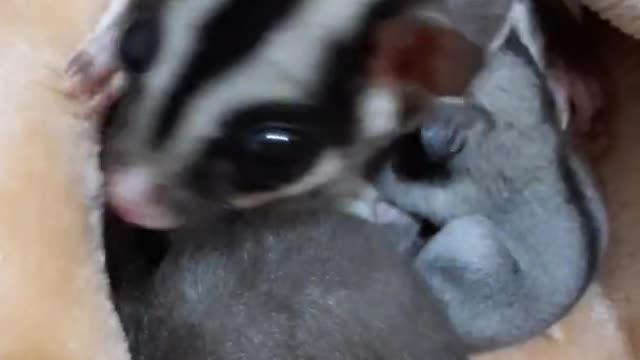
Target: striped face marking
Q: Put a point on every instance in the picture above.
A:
(242, 103)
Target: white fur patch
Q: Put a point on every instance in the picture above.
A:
(111, 16)
(132, 192)
(561, 97)
(452, 100)
(502, 33)
(379, 110)
(133, 184)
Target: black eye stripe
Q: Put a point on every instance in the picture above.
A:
(139, 45)
(229, 36)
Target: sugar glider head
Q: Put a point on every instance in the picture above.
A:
(238, 102)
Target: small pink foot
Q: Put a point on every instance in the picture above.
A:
(109, 94)
(93, 77)
(93, 73)
(86, 77)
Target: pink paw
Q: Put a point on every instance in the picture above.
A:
(85, 77)
(93, 76)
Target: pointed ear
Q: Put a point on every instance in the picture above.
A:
(431, 57)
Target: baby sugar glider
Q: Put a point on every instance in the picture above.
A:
(234, 104)
(521, 223)
(283, 282)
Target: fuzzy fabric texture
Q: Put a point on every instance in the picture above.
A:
(53, 288)
(623, 14)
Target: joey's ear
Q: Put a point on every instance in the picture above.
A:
(416, 53)
(413, 61)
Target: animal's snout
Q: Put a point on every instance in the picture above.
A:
(137, 197)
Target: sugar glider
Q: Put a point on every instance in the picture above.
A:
(234, 104)
(284, 282)
(521, 223)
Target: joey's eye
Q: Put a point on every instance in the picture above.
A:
(138, 45)
(279, 145)
(265, 158)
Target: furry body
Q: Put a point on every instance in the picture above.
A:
(522, 226)
(282, 282)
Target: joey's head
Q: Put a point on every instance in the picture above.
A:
(235, 103)
(515, 86)
(506, 121)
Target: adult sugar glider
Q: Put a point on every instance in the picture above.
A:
(521, 224)
(234, 104)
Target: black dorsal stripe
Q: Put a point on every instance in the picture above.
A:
(576, 196)
(514, 44)
(587, 221)
(226, 38)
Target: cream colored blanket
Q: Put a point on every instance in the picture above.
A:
(623, 14)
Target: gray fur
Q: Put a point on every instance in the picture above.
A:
(479, 20)
(285, 283)
(522, 224)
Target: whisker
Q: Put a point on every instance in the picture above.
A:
(53, 70)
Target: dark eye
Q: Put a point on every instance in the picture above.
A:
(265, 158)
(279, 145)
(138, 45)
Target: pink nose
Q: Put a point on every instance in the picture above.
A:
(132, 194)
